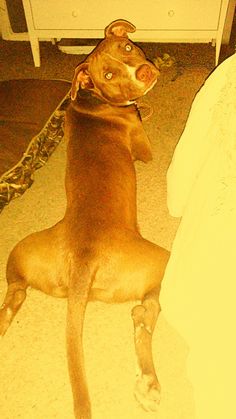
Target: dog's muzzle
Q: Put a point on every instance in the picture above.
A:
(145, 74)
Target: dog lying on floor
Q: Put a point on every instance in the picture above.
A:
(96, 251)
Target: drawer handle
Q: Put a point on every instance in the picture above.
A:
(75, 13)
(171, 13)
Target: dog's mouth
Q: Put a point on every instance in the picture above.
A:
(150, 86)
(126, 100)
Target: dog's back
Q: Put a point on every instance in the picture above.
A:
(101, 216)
(100, 176)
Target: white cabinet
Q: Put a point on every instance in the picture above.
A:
(155, 20)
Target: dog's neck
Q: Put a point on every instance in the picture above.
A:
(86, 102)
(143, 110)
(96, 99)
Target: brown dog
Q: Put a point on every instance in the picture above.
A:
(96, 251)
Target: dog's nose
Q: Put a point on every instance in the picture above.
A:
(144, 73)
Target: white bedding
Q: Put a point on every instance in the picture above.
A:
(198, 294)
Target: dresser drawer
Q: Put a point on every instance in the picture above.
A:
(148, 15)
(155, 20)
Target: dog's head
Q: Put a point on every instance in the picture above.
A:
(117, 71)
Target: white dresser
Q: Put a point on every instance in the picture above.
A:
(155, 20)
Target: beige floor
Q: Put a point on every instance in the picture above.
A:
(33, 373)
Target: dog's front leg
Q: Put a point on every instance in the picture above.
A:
(79, 287)
(140, 145)
(147, 390)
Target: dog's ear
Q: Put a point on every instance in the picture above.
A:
(81, 80)
(119, 28)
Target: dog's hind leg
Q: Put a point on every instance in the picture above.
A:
(147, 390)
(40, 261)
(15, 296)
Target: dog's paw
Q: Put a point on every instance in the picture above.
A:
(147, 392)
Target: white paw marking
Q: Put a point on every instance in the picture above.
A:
(147, 392)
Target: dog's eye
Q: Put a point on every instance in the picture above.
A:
(109, 75)
(128, 48)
